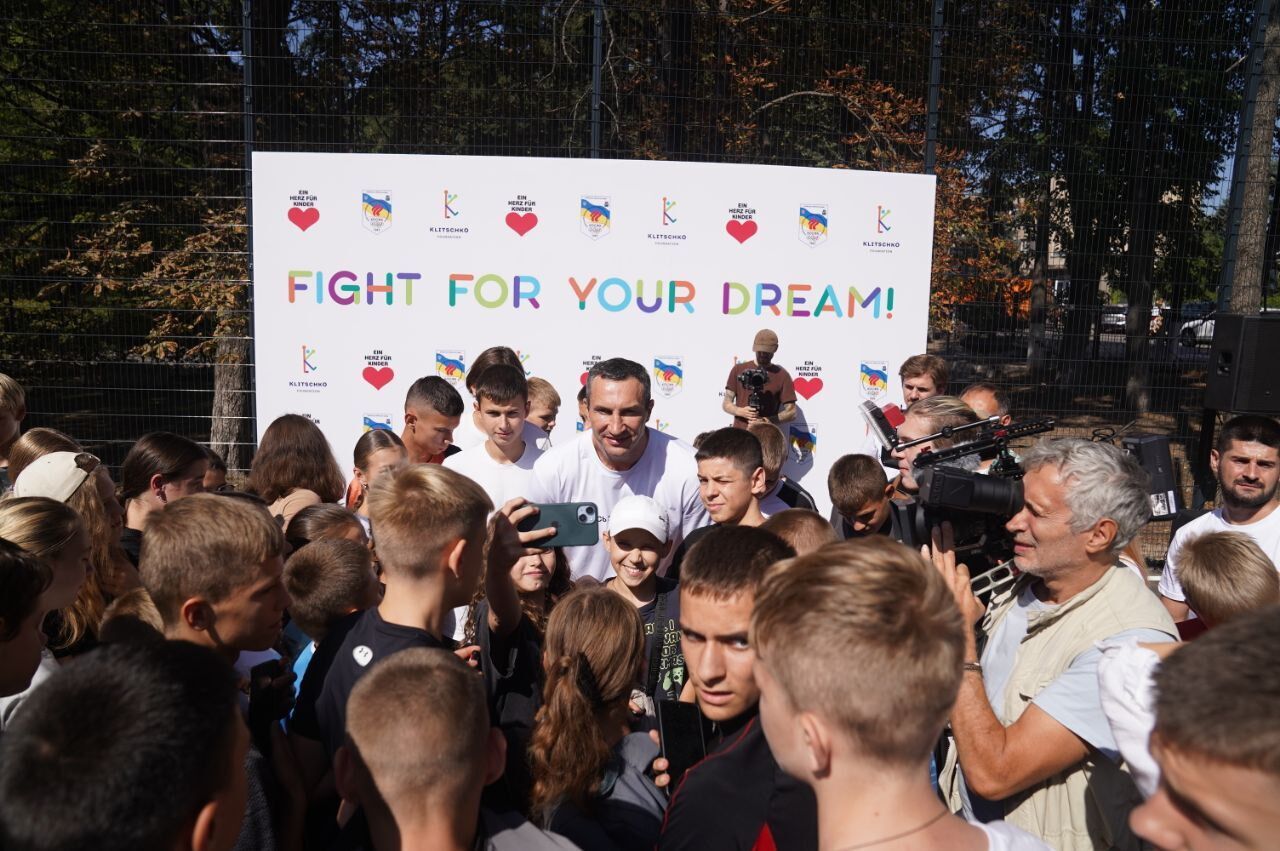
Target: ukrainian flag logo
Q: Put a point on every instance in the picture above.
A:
(375, 206)
(813, 223)
(668, 374)
(874, 376)
(595, 216)
(804, 439)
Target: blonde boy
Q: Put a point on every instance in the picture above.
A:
(544, 404)
(214, 567)
(418, 752)
(1226, 574)
(858, 659)
(431, 534)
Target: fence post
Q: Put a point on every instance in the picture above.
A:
(935, 89)
(597, 60)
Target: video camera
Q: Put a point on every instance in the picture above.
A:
(754, 380)
(976, 505)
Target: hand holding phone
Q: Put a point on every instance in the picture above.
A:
(680, 737)
(576, 524)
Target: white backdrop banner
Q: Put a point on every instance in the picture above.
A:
(373, 270)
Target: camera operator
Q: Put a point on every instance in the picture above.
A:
(760, 390)
(1031, 743)
(925, 417)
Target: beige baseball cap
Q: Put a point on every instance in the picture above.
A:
(57, 475)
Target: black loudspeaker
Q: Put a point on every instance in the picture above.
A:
(1244, 365)
(1152, 452)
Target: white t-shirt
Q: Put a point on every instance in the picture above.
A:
(500, 481)
(573, 472)
(1002, 836)
(1265, 531)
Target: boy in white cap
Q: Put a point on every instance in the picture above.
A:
(638, 539)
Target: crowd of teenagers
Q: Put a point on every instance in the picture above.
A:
(397, 660)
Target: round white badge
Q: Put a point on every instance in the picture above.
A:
(363, 655)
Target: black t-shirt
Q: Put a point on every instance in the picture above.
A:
(663, 638)
(362, 640)
(131, 543)
(738, 798)
(513, 681)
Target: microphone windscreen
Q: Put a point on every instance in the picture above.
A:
(879, 425)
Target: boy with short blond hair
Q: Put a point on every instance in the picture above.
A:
(417, 753)
(780, 492)
(13, 410)
(431, 536)
(544, 404)
(214, 568)
(1225, 575)
(858, 660)
(503, 464)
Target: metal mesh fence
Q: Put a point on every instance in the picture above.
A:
(1083, 149)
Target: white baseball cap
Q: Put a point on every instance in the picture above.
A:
(639, 512)
(57, 475)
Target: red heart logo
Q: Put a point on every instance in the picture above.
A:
(808, 387)
(522, 223)
(583, 379)
(304, 217)
(379, 377)
(741, 230)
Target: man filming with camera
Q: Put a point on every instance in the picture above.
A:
(1031, 743)
(760, 390)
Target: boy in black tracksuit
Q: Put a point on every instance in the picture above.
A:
(737, 797)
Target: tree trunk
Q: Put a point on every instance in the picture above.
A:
(230, 415)
(1246, 284)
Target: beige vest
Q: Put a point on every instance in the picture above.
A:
(1087, 806)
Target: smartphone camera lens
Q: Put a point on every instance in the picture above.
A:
(586, 515)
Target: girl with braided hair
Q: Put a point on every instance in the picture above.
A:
(588, 768)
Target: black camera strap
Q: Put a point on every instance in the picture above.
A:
(659, 642)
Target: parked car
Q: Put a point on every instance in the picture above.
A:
(1197, 332)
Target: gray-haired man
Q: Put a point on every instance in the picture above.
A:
(1031, 741)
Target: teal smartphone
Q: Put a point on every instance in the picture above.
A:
(577, 524)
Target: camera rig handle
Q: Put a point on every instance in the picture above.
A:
(997, 437)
